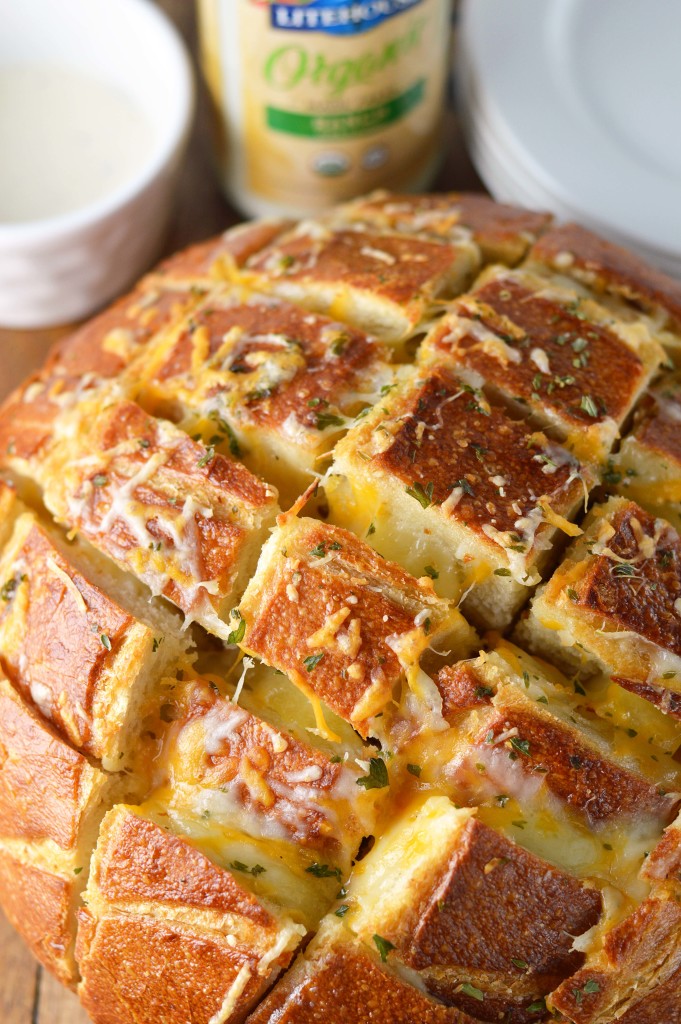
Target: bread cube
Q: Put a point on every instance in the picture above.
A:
(347, 627)
(51, 802)
(104, 346)
(382, 282)
(635, 975)
(551, 352)
(168, 933)
(89, 663)
(628, 282)
(504, 233)
(520, 734)
(449, 485)
(100, 349)
(264, 380)
(184, 519)
(27, 424)
(231, 766)
(612, 604)
(339, 978)
(647, 467)
(487, 926)
(212, 261)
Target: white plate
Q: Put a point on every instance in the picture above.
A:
(578, 101)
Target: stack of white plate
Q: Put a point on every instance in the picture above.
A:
(575, 106)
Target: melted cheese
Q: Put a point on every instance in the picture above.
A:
(408, 648)
(231, 1000)
(560, 522)
(69, 584)
(121, 343)
(325, 636)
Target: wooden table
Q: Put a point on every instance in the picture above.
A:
(29, 995)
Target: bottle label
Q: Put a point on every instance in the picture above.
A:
(333, 98)
(337, 17)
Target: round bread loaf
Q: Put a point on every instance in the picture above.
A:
(340, 630)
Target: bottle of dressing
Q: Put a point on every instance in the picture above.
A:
(322, 100)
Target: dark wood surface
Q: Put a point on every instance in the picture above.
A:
(28, 995)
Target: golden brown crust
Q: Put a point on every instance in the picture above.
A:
(461, 690)
(28, 416)
(348, 983)
(193, 264)
(502, 482)
(407, 267)
(504, 233)
(664, 862)
(664, 1004)
(544, 351)
(383, 282)
(167, 934)
(45, 786)
(496, 903)
(137, 968)
(641, 596)
(60, 640)
(657, 427)
(502, 916)
(573, 770)
(327, 610)
(106, 344)
(207, 261)
(571, 249)
(100, 349)
(616, 596)
(142, 863)
(636, 975)
(50, 801)
(174, 512)
(264, 778)
(38, 903)
(256, 363)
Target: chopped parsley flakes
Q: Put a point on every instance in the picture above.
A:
(384, 946)
(378, 775)
(424, 495)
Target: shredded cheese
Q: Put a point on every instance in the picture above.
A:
(560, 522)
(69, 584)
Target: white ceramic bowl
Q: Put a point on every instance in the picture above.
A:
(63, 268)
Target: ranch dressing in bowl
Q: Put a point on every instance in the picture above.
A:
(67, 140)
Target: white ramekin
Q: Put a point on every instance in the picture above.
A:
(63, 268)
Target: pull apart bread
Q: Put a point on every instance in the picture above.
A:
(340, 630)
